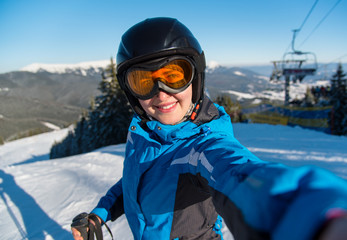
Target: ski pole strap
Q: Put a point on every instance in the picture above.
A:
(98, 231)
(88, 229)
(81, 223)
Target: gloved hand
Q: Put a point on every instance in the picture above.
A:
(335, 230)
(80, 227)
(85, 225)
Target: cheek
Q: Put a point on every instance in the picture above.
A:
(145, 104)
(186, 95)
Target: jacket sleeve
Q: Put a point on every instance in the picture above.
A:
(268, 200)
(110, 206)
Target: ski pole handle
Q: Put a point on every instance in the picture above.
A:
(81, 223)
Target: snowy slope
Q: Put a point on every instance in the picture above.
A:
(39, 197)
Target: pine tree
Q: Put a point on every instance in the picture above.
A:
(338, 121)
(105, 124)
(232, 109)
(114, 112)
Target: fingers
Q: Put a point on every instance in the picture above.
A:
(337, 230)
(76, 234)
(91, 221)
(81, 224)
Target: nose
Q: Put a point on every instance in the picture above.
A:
(163, 95)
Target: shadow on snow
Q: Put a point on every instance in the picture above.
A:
(36, 221)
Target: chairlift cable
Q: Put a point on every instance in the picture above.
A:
(323, 19)
(307, 16)
(302, 25)
(332, 61)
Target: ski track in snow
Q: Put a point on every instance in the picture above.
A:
(39, 196)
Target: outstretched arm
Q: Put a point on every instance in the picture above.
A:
(269, 199)
(110, 206)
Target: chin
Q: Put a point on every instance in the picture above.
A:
(169, 121)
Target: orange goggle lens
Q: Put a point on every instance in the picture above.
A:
(176, 75)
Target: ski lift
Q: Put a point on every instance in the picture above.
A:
(295, 66)
(299, 64)
(276, 72)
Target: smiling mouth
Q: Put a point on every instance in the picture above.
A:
(167, 106)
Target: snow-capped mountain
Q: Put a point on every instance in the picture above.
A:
(244, 84)
(251, 84)
(83, 68)
(248, 83)
(57, 92)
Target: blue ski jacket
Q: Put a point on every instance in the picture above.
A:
(178, 179)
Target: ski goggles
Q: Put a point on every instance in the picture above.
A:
(172, 75)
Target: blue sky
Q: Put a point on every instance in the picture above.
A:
(231, 32)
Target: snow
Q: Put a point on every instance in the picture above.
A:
(82, 67)
(39, 196)
(213, 65)
(239, 73)
(50, 125)
(4, 89)
(297, 91)
(240, 95)
(263, 78)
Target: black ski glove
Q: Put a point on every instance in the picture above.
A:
(88, 225)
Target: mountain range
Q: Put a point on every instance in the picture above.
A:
(40, 95)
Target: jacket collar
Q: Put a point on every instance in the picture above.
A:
(207, 112)
(168, 133)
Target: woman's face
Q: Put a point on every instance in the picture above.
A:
(168, 108)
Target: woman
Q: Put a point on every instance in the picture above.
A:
(184, 170)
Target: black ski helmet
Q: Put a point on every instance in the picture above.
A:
(156, 38)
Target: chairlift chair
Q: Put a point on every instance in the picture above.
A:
(299, 64)
(295, 66)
